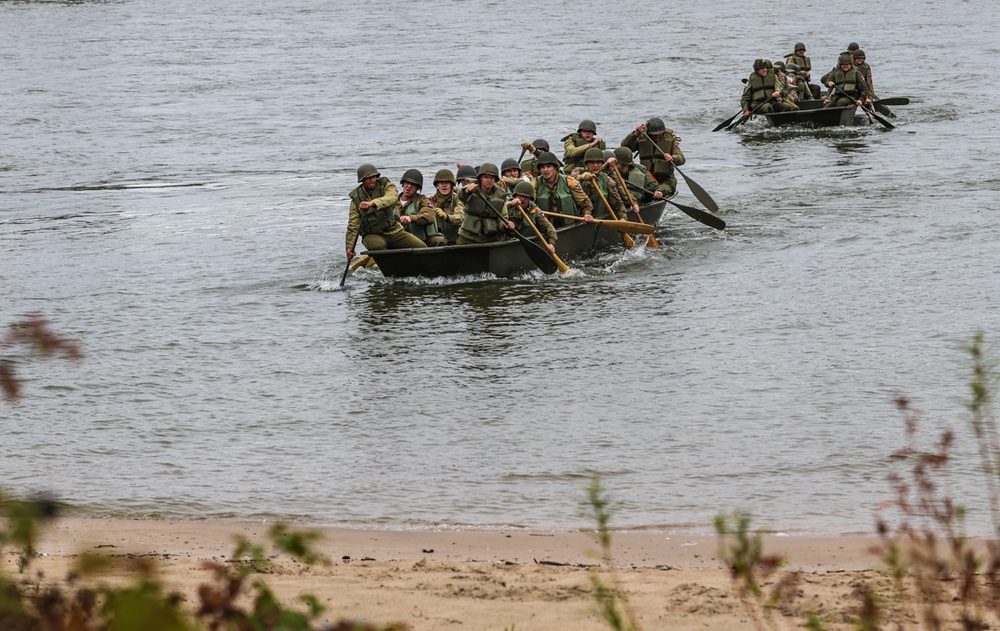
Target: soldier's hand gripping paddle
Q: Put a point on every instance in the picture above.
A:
(542, 258)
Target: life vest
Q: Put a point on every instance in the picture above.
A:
(413, 208)
(374, 220)
(543, 193)
(480, 219)
(602, 184)
(803, 62)
(847, 81)
(761, 87)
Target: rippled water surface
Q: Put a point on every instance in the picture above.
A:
(173, 194)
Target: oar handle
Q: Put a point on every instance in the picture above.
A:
(627, 240)
(563, 268)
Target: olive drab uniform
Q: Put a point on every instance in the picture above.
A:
(540, 220)
(574, 147)
(481, 223)
(591, 183)
(866, 72)
(565, 196)
(378, 225)
(759, 89)
(455, 212)
(423, 222)
(850, 83)
(651, 157)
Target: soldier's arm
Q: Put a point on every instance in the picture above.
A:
(677, 154)
(425, 214)
(458, 213)
(391, 197)
(353, 226)
(545, 227)
(573, 153)
(747, 97)
(653, 185)
(631, 141)
(582, 201)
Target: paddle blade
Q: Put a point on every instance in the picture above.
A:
(541, 257)
(343, 277)
(708, 219)
(363, 261)
(699, 192)
(727, 122)
(892, 100)
(627, 226)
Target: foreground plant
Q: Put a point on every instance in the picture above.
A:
(610, 599)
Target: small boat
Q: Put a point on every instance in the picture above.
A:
(812, 113)
(502, 259)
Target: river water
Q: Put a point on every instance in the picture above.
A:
(173, 194)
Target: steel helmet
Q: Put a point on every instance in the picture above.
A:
(541, 144)
(367, 170)
(655, 126)
(779, 65)
(524, 188)
(585, 125)
(799, 46)
(444, 175)
(859, 54)
(853, 46)
(845, 58)
(467, 172)
(593, 155)
(487, 168)
(413, 176)
(547, 157)
(623, 155)
(608, 153)
(509, 163)
(758, 64)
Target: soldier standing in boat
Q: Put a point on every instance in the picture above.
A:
(485, 214)
(659, 158)
(415, 212)
(576, 145)
(559, 192)
(524, 195)
(642, 187)
(595, 180)
(847, 86)
(448, 210)
(373, 215)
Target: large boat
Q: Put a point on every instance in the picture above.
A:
(502, 259)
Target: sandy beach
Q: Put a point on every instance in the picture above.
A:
(475, 580)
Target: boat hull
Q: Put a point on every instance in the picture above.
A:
(812, 113)
(502, 258)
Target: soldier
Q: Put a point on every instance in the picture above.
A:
(483, 201)
(594, 179)
(373, 215)
(799, 58)
(558, 192)
(510, 174)
(530, 166)
(866, 72)
(524, 195)
(447, 208)
(642, 187)
(846, 84)
(797, 82)
(763, 93)
(415, 212)
(576, 145)
(658, 159)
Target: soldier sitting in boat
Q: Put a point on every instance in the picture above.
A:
(640, 184)
(658, 159)
(847, 86)
(795, 81)
(447, 208)
(866, 72)
(576, 145)
(485, 217)
(510, 174)
(373, 215)
(763, 92)
(523, 199)
(415, 212)
(466, 175)
(529, 167)
(558, 192)
(596, 184)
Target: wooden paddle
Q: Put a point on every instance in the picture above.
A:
(698, 214)
(626, 238)
(620, 225)
(728, 121)
(651, 242)
(546, 261)
(563, 268)
(752, 112)
(893, 100)
(343, 277)
(363, 261)
(698, 191)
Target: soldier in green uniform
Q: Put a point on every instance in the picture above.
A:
(642, 187)
(559, 192)
(524, 195)
(845, 80)
(866, 72)
(797, 86)
(529, 167)
(595, 180)
(799, 58)
(373, 215)
(658, 159)
(576, 145)
(483, 200)
(415, 212)
(466, 174)
(448, 210)
(510, 174)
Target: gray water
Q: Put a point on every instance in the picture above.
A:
(173, 194)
